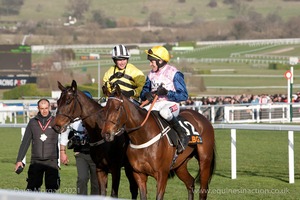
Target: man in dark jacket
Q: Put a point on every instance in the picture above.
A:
(44, 151)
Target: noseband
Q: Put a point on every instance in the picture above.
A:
(122, 128)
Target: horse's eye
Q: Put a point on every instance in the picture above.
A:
(69, 100)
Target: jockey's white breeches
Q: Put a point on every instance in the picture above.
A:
(167, 109)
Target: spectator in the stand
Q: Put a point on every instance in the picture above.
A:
(298, 97)
(284, 99)
(276, 98)
(189, 102)
(227, 100)
(244, 99)
(211, 101)
(198, 104)
(264, 99)
(233, 101)
(254, 101)
(294, 97)
(205, 109)
(219, 109)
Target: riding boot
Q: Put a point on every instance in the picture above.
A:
(183, 140)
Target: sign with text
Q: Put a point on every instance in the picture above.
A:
(15, 58)
(294, 60)
(91, 56)
(11, 82)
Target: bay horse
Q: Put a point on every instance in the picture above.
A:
(108, 157)
(150, 153)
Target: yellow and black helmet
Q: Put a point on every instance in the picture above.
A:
(158, 52)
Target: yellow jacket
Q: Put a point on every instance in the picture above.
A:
(130, 78)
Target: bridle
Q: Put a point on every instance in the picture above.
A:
(77, 102)
(74, 119)
(122, 127)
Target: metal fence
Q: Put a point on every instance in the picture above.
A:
(248, 113)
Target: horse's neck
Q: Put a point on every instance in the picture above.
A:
(89, 108)
(137, 114)
(90, 115)
(94, 133)
(145, 131)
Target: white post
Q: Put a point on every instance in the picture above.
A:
(233, 153)
(22, 135)
(291, 93)
(212, 114)
(291, 156)
(289, 99)
(99, 78)
(58, 146)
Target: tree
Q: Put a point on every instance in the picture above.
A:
(77, 8)
(293, 27)
(10, 7)
(98, 17)
(212, 4)
(155, 18)
(240, 29)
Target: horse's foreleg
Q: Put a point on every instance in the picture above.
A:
(132, 183)
(115, 175)
(162, 179)
(141, 180)
(183, 174)
(102, 181)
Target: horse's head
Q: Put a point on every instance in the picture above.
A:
(116, 115)
(68, 107)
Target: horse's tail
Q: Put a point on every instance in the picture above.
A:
(171, 174)
(213, 163)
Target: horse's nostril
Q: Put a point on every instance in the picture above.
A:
(107, 137)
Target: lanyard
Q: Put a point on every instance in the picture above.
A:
(44, 127)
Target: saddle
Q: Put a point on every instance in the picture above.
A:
(193, 135)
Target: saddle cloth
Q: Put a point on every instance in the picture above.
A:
(191, 132)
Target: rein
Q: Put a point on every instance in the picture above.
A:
(92, 144)
(74, 119)
(143, 104)
(148, 113)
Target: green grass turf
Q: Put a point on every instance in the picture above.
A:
(262, 168)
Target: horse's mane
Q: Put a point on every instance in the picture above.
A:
(137, 104)
(95, 102)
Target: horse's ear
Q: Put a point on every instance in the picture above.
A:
(118, 90)
(105, 89)
(60, 86)
(74, 85)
